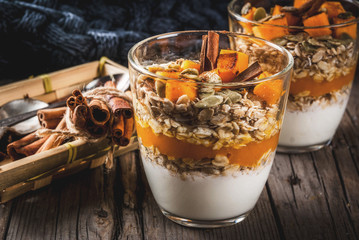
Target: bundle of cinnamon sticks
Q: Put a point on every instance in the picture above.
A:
(93, 117)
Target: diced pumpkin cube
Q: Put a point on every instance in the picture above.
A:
(270, 32)
(351, 30)
(230, 63)
(317, 20)
(277, 10)
(190, 64)
(168, 74)
(175, 89)
(298, 3)
(247, 27)
(333, 8)
(269, 91)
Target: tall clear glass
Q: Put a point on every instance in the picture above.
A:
(206, 153)
(325, 60)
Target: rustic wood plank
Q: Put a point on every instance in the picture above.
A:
(299, 198)
(95, 217)
(128, 190)
(345, 151)
(34, 215)
(5, 215)
(69, 205)
(353, 106)
(333, 192)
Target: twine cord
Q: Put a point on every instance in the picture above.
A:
(100, 94)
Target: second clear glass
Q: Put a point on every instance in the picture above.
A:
(325, 60)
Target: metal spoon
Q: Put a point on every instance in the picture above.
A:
(17, 111)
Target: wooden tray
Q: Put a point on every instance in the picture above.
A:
(37, 171)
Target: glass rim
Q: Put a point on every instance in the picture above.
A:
(140, 68)
(239, 17)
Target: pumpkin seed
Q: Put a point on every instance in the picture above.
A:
(234, 96)
(184, 99)
(289, 9)
(206, 90)
(174, 66)
(345, 15)
(315, 42)
(309, 47)
(318, 56)
(210, 77)
(280, 41)
(293, 38)
(345, 39)
(324, 37)
(345, 36)
(334, 42)
(205, 115)
(204, 95)
(265, 19)
(278, 16)
(245, 8)
(160, 88)
(297, 50)
(210, 101)
(191, 71)
(259, 14)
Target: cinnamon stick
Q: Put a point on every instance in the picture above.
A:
(99, 112)
(118, 105)
(25, 146)
(77, 92)
(54, 140)
(53, 113)
(314, 8)
(209, 51)
(71, 102)
(306, 10)
(24, 141)
(250, 73)
(213, 48)
(50, 123)
(32, 148)
(80, 116)
(96, 130)
(203, 58)
(118, 127)
(125, 139)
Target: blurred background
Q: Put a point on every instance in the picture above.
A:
(43, 36)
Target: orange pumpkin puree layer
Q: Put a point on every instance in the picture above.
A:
(247, 156)
(319, 89)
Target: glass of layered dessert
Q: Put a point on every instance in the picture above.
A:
(208, 109)
(322, 37)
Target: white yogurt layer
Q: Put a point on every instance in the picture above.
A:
(314, 124)
(206, 197)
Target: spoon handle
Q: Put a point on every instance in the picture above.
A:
(8, 122)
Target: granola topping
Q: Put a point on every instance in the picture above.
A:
(224, 118)
(322, 58)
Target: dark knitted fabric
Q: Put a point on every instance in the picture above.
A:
(42, 36)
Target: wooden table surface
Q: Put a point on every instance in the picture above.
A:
(307, 196)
